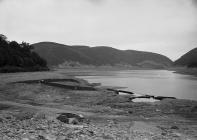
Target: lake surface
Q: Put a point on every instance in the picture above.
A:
(153, 82)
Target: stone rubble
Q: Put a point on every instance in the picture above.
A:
(38, 127)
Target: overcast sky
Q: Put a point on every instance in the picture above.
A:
(168, 27)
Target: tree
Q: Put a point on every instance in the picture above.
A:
(14, 45)
(19, 56)
(3, 41)
(3, 37)
(26, 46)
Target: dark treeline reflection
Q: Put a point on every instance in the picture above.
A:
(16, 57)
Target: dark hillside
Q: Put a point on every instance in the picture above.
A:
(140, 56)
(56, 54)
(189, 59)
(16, 57)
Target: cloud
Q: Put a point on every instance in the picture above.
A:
(97, 1)
(150, 25)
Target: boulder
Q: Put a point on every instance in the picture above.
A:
(70, 118)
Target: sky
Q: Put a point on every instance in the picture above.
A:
(168, 27)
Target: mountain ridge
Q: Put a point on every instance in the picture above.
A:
(56, 54)
(189, 59)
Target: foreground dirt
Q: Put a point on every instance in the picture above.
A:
(29, 112)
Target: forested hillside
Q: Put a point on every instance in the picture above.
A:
(15, 57)
(189, 59)
(56, 54)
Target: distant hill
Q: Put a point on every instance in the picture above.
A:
(189, 59)
(56, 54)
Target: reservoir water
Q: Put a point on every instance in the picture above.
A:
(153, 82)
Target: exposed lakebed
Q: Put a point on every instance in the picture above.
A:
(33, 108)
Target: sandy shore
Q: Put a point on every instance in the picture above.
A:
(30, 111)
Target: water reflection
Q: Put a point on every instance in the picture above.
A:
(154, 82)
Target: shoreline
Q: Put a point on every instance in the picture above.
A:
(184, 70)
(106, 113)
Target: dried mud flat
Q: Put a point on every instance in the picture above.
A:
(30, 111)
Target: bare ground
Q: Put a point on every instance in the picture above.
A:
(29, 111)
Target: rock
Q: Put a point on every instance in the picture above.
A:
(174, 127)
(63, 119)
(163, 97)
(8, 117)
(90, 133)
(163, 133)
(40, 137)
(130, 112)
(70, 118)
(73, 121)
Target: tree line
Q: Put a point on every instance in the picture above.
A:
(19, 57)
